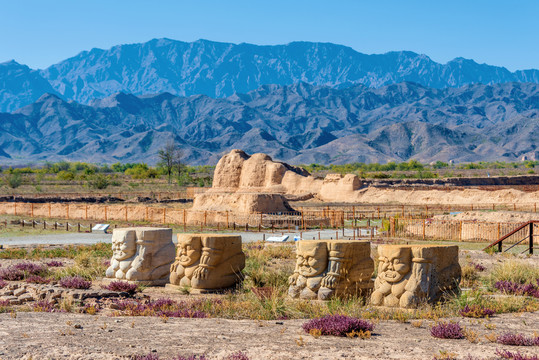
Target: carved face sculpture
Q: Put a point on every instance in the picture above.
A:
(312, 258)
(189, 250)
(394, 264)
(123, 244)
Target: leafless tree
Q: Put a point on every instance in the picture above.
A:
(170, 158)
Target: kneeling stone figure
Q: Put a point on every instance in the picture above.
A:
(412, 274)
(207, 262)
(141, 255)
(327, 268)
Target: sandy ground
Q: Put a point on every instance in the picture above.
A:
(55, 336)
(491, 216)
(460, 197)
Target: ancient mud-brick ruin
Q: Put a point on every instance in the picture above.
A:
(409, 275)
(142, 255)
(207, 262)
(328, 268)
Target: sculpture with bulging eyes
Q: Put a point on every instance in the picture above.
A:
(207, 262)
(188, 254)
(311, 265)
(393, 275)
(124, 249)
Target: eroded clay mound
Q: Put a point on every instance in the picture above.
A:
(237, 171)
(241, 202)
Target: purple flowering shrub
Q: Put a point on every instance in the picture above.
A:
(476, 311)
(506, 354)
(510, 287)
(155, 356)
(337, 325)
(55, 263)
(447, 330)
(2, 284)
(517, 340)
(36, 279)
(121, 286)
(45, 306)
(21, 271)
(160, 307)
(75, 282)
(237, 356)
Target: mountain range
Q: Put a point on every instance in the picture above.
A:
(298, 123)
(222, 69)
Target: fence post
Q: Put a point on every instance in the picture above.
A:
(33, 224)
(78, 227)
(460, 230)
(125, 213)
(164, 215)
(67, 211)
(15, 209)
(424, 224)
(32, 210)
(67, 225)
(205, 217)
(531, 238)
(105, 213)
(184, 220)
(49, 210)
(85, 212)
(44, 225)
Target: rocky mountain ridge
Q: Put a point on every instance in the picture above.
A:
(222, 69)
(298, 123)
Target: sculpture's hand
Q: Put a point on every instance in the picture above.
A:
(200, 273)
(329, 281)
(293, 278)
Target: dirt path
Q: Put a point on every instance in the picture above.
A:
(54, 336)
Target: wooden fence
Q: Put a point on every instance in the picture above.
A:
(452, 230)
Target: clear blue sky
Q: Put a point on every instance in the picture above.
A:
(39, 33)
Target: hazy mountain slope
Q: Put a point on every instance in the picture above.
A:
(20, 85)
(298, 123)
(222, 69)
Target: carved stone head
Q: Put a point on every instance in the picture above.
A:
(189, 250)
(123, 244)
(394, 264)
(312, 258)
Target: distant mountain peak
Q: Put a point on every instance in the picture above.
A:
(219, 70)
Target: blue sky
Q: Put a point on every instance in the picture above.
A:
(40, 33)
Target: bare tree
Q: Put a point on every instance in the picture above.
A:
(170, 158)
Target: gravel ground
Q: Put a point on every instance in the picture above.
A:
(31, 335)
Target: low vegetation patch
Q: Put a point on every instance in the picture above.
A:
(476, 311)
(75, 282)
(447, 330)
(121, 286)
(338, 325)
(518, 340)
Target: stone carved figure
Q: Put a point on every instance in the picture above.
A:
(207, 262)
(411, 274)
(327, 268)
(141, 254)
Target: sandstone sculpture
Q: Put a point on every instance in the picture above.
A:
(141, 254)
(327, 268)
(412, 274)
(207, 262)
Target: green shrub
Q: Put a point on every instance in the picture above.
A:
(14, 180)
(98, 181)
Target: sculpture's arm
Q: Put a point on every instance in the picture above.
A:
(335, 266)
(211, 256)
